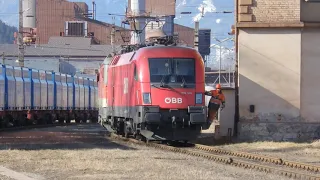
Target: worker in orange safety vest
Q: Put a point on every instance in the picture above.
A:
(217, 101)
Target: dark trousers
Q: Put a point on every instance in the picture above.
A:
(213, 106)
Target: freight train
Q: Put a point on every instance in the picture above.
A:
(30, 96)
(154, 92)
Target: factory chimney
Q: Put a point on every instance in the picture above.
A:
(196, 35)
(138, 12)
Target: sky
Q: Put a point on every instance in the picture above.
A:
(219, 23)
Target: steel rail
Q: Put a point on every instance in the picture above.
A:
(225, 159)
(262, 158)
(39, 126)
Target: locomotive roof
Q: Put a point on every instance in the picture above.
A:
(125, 58)
(168, 47)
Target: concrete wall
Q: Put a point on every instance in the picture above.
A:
(227, 114)
(278, 71)
(310, 75)
(310, 11)
(269, 67)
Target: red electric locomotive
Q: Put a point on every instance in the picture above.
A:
(156, 92)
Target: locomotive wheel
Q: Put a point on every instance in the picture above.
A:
(8, 121)
(100, 121)
(84, 118)
(77, 118)
(68, 119)
(1, 123)
(61, 119)
(137, 136)
(22, 120)
(126, 135)
(48, 118)
(125, 130)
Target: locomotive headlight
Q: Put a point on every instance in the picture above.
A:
(199, 98)
(146, 98)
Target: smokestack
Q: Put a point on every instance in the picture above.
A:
(93, 13)
(196, 35)
(29, 13)
(138, 9)
(113, 35)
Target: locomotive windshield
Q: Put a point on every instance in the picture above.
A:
(172, 71)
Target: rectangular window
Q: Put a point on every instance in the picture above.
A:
(185, 69)
(76, 28)
(172, 71)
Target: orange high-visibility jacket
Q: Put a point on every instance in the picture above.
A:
(217, 97)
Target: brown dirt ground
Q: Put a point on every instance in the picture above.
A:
(2, 177)
(133, 163)
(82, 152)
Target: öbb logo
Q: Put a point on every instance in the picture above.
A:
(173, 100)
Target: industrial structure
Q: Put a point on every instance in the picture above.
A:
(55, 31)
(204, 42)
(65, 19)
(71, 19)
(165, 10)
(278, 48)
(69, 55)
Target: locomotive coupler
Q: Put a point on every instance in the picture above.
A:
(174, 123)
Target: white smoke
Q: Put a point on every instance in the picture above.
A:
(180, 4)
(206, 6)
(227, 59)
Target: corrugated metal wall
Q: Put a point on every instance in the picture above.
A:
(51, 16)
(186, 34)
(159, 7)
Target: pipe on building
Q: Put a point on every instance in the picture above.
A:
(236, 74)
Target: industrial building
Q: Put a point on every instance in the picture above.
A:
(64, 18)
(278, 50)
(69, 55)
(69, 39)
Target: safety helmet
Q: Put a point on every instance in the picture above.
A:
(218, 86)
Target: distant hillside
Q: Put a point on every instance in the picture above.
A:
(6, 33)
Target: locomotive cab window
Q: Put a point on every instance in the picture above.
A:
(172, 71)
(135, 73)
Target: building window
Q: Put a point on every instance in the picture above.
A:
(76, 28)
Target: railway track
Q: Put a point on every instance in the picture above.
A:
(267, 164)
(239, 159)
(38, 126)
(267, 159)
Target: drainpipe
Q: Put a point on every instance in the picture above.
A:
(236, 74)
